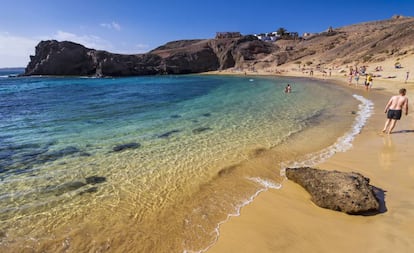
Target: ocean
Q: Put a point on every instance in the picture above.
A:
(154, 164)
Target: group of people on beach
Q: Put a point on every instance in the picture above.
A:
(356, 73)
(394, 108)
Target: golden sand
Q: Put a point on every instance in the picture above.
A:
(286, 220)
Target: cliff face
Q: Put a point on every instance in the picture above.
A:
(178, 57)
(354, 44)
(361, 44)
(68, 58)
(60, 59)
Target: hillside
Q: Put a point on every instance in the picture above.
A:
(370, 42)
(359, 44)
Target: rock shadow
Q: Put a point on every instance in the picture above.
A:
(403, 131)
(380, 195)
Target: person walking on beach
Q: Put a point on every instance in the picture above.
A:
(406, 76)
(351, 75)
(394, 109)
(356, 78)
(368, 82)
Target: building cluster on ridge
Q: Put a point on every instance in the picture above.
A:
(272, 36)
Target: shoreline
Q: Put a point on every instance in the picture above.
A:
(226, 181)
(258, 158)
(285, 220)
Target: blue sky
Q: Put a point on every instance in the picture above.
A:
(139, 26)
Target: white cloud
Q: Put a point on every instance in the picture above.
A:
(116, 26)
(90, 41)
(15, 50)
(142, 48)
(112, 25)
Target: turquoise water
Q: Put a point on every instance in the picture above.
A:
(88, 162)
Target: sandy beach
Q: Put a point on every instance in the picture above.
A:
(286, 220)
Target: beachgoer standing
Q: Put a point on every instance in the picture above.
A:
(356, 78)
(406, 77)
(368, 82)
(394, 108)
(288, 89)
(351, 74)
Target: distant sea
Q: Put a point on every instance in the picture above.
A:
(153, 164)
(10, 72)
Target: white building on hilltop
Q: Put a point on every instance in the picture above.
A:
(273, 36)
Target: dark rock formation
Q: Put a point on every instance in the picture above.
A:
(177, 57)
(18, 159)
(201, 129)
(68, 58)
(95, 180)
(188, 56)
(340, 191)
(58, 190)
(54, 155)
(382, 40)
(169, 133)
(122, 147)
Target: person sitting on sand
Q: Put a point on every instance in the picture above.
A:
(394, 109)
(288, 89)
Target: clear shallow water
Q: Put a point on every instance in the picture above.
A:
(148, 164)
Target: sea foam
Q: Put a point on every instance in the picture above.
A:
(342, 144)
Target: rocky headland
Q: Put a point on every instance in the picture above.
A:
(364, 43)
(178, 57)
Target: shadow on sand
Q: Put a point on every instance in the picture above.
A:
(380, 195)
(403, 131)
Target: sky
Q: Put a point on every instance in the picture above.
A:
(138, 26)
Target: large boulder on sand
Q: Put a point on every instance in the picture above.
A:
(348, 192)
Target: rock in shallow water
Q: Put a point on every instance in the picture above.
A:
(201, 129)
(95, 180)
(347, 192)
(58, 190)
(131, 145)
(169, 133)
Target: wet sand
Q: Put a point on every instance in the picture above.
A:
(286, 220)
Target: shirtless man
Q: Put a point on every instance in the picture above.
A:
(394, 109)
(288, 89)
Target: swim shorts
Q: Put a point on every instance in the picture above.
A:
(394, 114)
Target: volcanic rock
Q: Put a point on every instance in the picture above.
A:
(347, 192)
